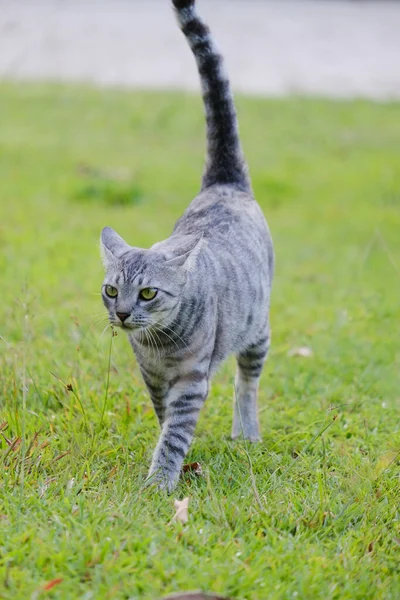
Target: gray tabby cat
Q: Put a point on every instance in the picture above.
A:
(190, 301)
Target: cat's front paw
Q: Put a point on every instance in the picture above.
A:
(162, 478)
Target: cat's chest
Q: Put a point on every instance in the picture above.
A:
(158, 360)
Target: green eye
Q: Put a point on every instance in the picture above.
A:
(111, 291)
(148, 293)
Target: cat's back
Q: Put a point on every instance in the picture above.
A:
(223, 213)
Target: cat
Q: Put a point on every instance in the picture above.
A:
(190, 301)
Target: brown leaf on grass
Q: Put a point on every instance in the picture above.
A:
(301, 351)
(60, 456)
(11, 443)
(194, 468)
(327, 515)
(112, 472)
(370, 547)
(51, 584)
(128, 408)
(33, 444)
(182, 510)
(14, 444)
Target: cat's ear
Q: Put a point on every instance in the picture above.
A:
(185, 255)
(112, 247)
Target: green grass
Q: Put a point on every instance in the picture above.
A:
(318, 514)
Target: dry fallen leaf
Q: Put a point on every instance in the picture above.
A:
(182, 510)
(49, 586)
(194, 468)
(60, 456)
(301, 351)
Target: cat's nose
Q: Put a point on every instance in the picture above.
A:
(122, 316)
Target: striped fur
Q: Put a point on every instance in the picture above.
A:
(225, 161)
(213, 277)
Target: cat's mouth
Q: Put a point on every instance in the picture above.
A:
(128, 326)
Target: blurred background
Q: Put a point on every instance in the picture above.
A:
(329, 47)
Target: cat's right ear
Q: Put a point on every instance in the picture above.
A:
(112, 247)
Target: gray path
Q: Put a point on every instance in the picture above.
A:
(328, 47)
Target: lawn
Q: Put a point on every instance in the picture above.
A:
(312, 511)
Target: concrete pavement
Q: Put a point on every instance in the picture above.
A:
(273, 47)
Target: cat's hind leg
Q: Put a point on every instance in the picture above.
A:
(250, 363)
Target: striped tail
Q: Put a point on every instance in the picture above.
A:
(225, 162)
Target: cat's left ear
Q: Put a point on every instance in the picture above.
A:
(112, 247)
(187, 252)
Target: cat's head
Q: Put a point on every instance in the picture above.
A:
(144, 288)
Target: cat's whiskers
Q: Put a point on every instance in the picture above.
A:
(157, 350)
(98, 321)
(108, 326)
(99, 318)
(95, 327)
(164, 326)
(155, 333)
(150, 341)
(158, 329)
